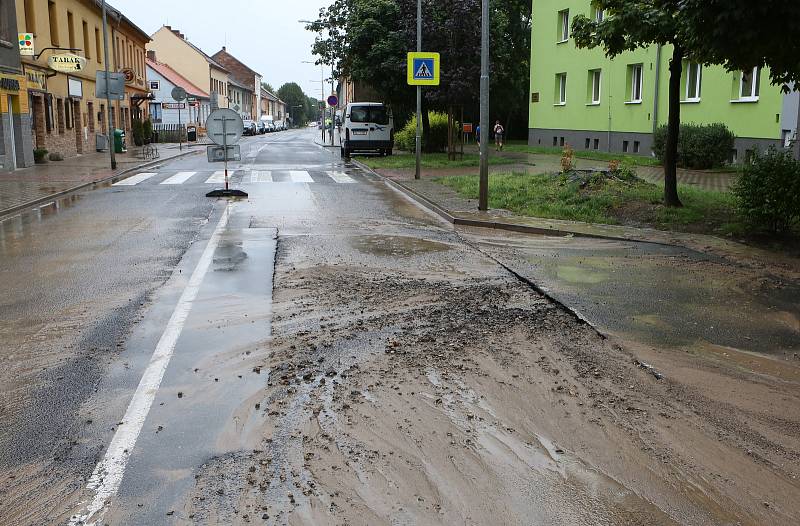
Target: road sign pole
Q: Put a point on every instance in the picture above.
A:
(418, 165)
(483, 193)
(225, 148)
(110, 137)
(180, 135)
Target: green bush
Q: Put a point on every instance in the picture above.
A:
(768, 191)
(39, 155)
(147, 130)
(137, 128)
(700, 146)
(55, 156)
(406, 138)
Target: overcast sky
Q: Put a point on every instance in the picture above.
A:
(264, 34)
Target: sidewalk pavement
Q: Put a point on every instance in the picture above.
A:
(337, 142)
(29, 186)
(461, 211)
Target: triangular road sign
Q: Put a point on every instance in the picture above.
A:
(424, 72)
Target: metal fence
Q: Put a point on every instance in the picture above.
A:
(170, 132)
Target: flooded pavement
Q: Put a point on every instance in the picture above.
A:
(326, 352)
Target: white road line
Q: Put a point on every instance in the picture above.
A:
(136, 179)
(260, 176)
(179, 178)
(107, 475)
(300, 177)
(341, 177)
(218, 177)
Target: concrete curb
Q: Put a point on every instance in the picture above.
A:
(117, 176)
(499, 225)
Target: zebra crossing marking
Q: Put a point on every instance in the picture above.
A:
(179, 178)
(341, 177)
(136, 179)
(217, 177)
(300, 177)
(261, 176)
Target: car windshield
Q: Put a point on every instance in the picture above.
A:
(373, 114)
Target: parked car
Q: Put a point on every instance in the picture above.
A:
(368, 127)
(250, 127)
(262, 127)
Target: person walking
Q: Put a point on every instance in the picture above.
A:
(499, 131)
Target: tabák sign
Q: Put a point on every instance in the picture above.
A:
(67, 63)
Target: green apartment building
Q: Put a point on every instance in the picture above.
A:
(582, 98)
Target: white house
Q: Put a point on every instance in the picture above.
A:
(161, 80)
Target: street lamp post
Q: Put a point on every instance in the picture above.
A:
(483, 192)
(322, 91)
(110, 139)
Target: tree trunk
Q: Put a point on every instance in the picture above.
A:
(426, 128)
(673, 129)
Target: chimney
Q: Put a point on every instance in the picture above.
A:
(151, 55)
(223, 48)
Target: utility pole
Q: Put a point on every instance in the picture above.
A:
(483, 196)
(418, 170)
(333, 109)
(110, 138)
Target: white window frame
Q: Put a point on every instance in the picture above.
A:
(754, 85)
(562, 90)
(599, 14)
(636, 86)
(156, 83)
(563, 26)
(694, 97)
(597, 86)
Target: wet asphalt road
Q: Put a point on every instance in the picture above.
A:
(131, 317)
(86, 286)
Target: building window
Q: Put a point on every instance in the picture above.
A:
(155, 111)
(598, 14)
(694, 77)
(30, 17)
(588, 142)
(561, 89)
(635, 82)
(563, 25)
(71, 29)
(625, 146)
(750, 84)
(53, 18)
(597, 144)
(98, 46)
(86, 45)
(636, 146)
(555, 141)
(561, 141)
(595, 77)
(155, 85)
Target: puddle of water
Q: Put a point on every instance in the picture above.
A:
(396, 246)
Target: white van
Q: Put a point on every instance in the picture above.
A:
(368, 127)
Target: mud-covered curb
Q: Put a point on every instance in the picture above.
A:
(115, 176)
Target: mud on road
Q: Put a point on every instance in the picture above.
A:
(411, 380)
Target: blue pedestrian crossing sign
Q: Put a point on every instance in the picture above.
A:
(423, 69)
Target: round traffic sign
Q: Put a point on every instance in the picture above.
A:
(333, 100)
(224, 126)
(178, 93)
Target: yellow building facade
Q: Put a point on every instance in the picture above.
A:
(64, 112)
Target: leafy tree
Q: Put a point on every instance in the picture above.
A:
(267, 86)
(292, 94)
(367, 41)
(739, 34)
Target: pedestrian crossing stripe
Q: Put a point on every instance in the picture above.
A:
(340, 177)
(261, 176)
(136, 179)
(217, 178)
(179, 178)
(300, 177)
